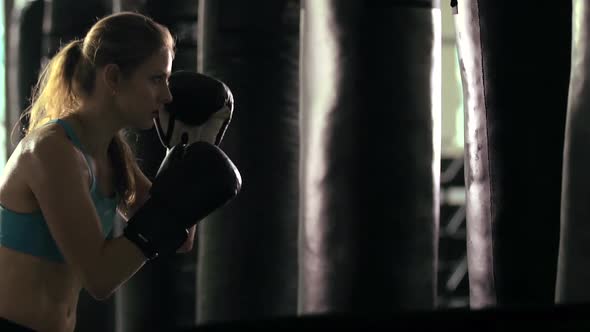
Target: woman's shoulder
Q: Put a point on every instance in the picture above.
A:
(47, 155)
(46, 145)
(19, 171)
(42, 138)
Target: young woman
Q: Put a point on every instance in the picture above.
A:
(73, 171)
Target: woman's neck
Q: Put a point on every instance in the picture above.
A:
(94, 130)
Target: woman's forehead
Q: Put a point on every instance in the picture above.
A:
(159, 61)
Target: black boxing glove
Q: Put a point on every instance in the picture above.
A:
(201, 110)
(193, 181)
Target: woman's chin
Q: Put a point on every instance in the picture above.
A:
(146, 125)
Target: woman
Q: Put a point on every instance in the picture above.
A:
(73, 170)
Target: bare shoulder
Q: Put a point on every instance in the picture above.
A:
(49, 148)
(18, 160)
(43, 139)
(41, 146)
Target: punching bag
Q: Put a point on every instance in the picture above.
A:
(23, 60)
(370, 155)
(515, 61)
(247, 263)
(161, 296)
(573, 271)
(65, 20)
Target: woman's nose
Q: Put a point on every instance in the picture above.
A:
(167, 96)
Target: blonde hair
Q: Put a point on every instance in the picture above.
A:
(126, 39)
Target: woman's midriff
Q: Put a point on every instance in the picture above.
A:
(36, 293)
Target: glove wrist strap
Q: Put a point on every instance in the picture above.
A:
(142, 243)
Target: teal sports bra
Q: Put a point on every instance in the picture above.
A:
(28, 232)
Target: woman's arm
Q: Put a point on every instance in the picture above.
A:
(61, 189)
(143, 185)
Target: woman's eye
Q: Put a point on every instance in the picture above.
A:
(160, 80)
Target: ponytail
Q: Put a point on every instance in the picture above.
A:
(53, 96)
(72, 56)
(123, 159)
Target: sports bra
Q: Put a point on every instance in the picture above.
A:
(28, 232)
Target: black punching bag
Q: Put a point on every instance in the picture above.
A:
(65, 20)
(23, 59)
(573, 269)
(179, 272)
(515, 60)
(370, 149)
(247, 264)
(161, 296)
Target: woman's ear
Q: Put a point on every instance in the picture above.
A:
(112, 77)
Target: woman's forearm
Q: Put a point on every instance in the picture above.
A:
(119, 260)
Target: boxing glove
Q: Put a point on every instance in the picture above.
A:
(201, 110)
(193, 181)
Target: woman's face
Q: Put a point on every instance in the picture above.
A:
(140, 96)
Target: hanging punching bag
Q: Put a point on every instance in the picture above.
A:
(515, 60)
(370, 149)
(161, 295)
(23, 59)
(181, 18)
(247, 264)
(65, 20)
(573, 270)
